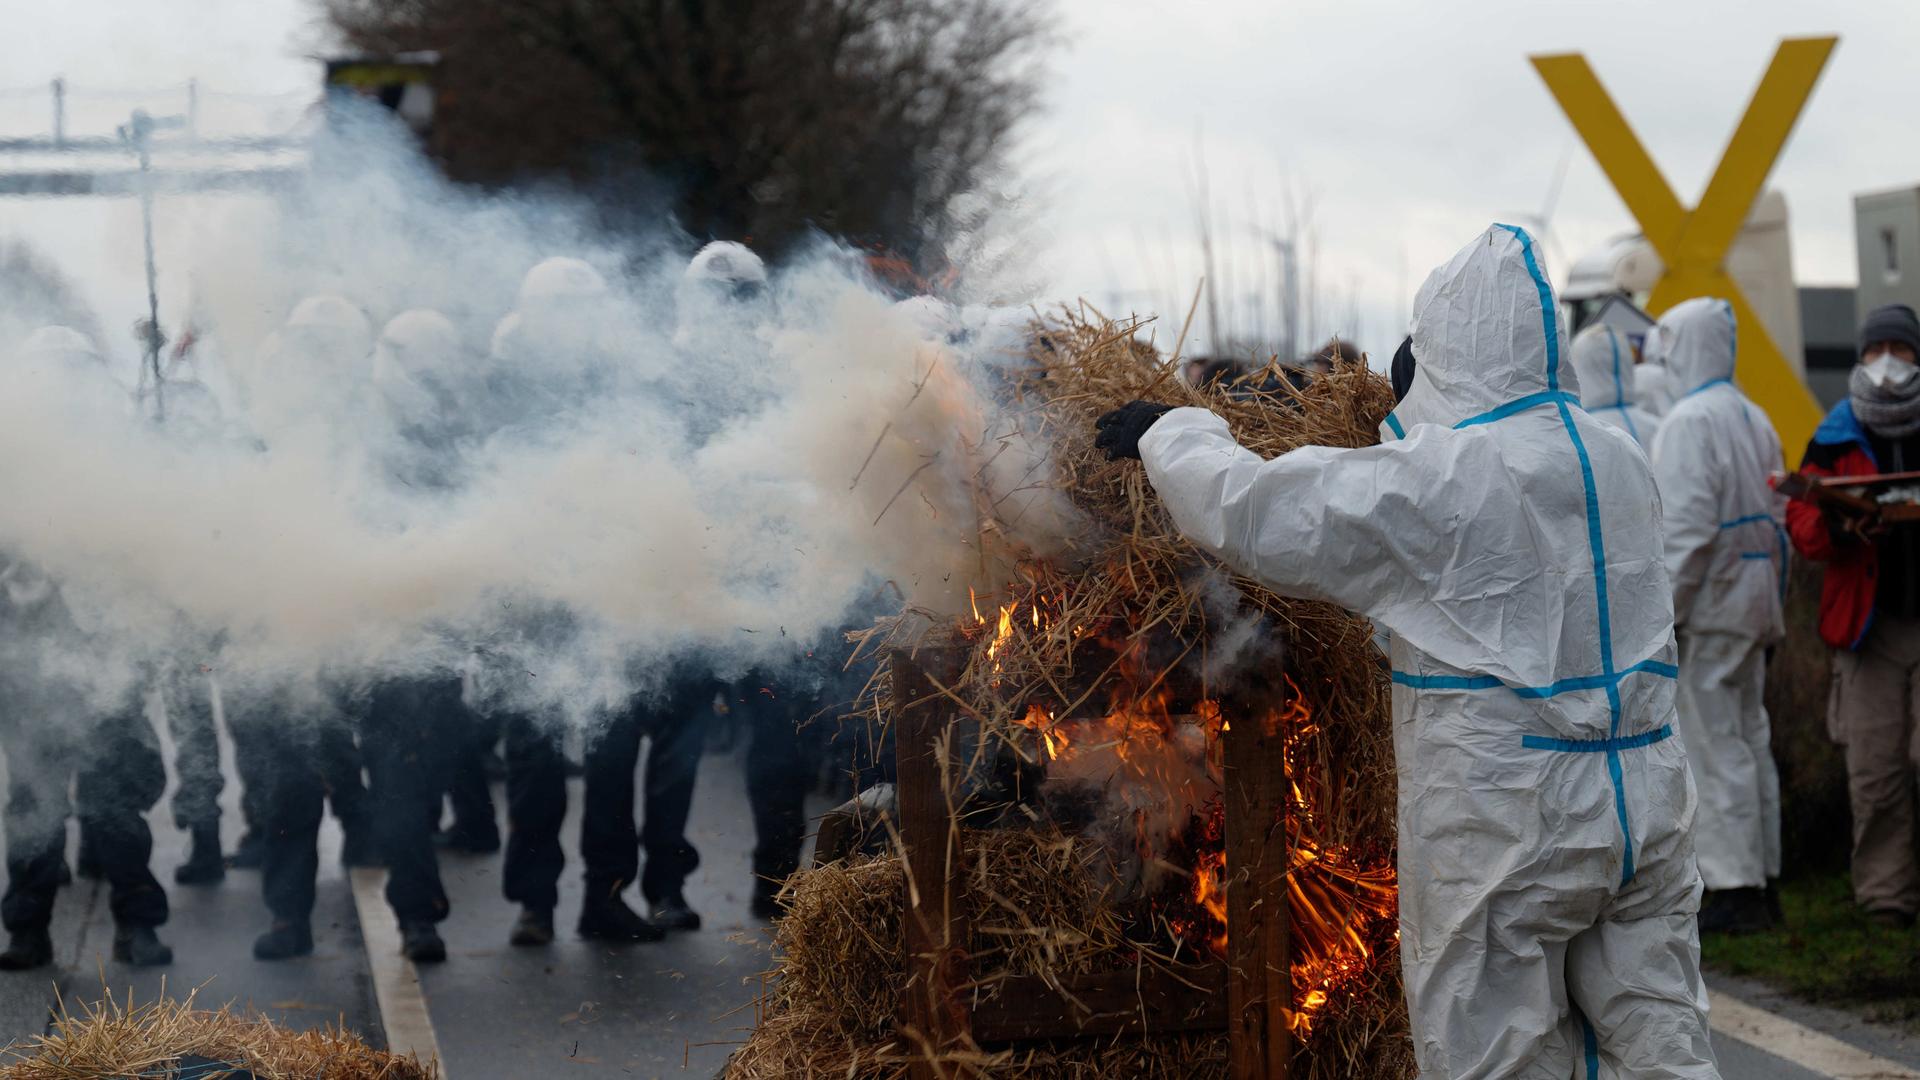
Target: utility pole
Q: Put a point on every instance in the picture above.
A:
(59, 113)
(138, 134)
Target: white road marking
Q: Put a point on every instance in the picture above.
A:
(1798, 1043)
(396, 985)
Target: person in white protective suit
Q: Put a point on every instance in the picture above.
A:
(1501, 534)
(1727, 555)
(1653, 384)
(1603, 359)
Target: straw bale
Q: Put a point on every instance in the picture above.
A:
(120, 1039)
(1128, 607)
(1037, 909)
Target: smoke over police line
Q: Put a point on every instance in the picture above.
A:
(413, 422)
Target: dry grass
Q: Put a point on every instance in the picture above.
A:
(1132, 612)
(1037, 909)
(121, 1039)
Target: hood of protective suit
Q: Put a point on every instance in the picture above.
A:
(1478, 335)
(1697, 340)
(1603, 362)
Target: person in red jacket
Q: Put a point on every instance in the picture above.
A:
(1870, 609)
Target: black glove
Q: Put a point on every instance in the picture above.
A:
(1120, 430)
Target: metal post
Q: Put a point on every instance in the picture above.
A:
(193, 108)
(140, 133)
(60, 113)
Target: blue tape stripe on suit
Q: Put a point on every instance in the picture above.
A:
(1619, 388)
(1595, 540)
(1393, 425)
(1598, 746)
(1708, 385)
(1591, 1046)
(1519, 405)
(1555, 689)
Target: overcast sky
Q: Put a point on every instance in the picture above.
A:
(1406, 125)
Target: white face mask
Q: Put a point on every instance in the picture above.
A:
(1887, 371)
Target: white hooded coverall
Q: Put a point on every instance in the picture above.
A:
(1547, 881)
(1603, 361)
(1727, 555)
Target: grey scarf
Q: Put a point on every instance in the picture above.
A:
(1886, 411)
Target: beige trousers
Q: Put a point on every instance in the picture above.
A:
(1872, 714)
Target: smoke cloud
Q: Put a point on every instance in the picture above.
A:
(576, 486)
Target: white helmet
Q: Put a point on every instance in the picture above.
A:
(331, 312)
(561, 278)
(729, 265)
(62, 344)
(331, 326)
(417, 339)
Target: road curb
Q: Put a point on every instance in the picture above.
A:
(1799, 1044)
(396, 985)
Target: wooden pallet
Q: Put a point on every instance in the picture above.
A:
(1247, 996)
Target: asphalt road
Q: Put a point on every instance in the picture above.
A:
(670, 1010)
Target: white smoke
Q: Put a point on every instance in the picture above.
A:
(594, 500)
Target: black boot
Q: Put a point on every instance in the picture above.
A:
(204, 866)
(766, 900)
(672, 913)
(421, 943)
(535, 927)
(139, 946)
(284, 942)
(251, 852)
(29, 949)
(1735, 911)
(610, 919)
(1775, 913)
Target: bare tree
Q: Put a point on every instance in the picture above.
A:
(865, 118)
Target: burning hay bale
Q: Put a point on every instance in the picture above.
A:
(1039, 910)
(168, 1038)
(1096, 687)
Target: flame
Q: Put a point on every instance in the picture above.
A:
(1052, 737)
(1343, 903)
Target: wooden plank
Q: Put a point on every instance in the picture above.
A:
(1136, 1001)
(1259, 980)
(935, 929)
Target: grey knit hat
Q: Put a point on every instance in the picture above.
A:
(1894, 322)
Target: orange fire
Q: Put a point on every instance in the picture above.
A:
(1343, 903)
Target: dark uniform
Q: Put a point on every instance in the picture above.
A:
(672, 729)
(188, 693)
(51, 736)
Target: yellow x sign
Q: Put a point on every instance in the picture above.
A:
(1693, 243)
